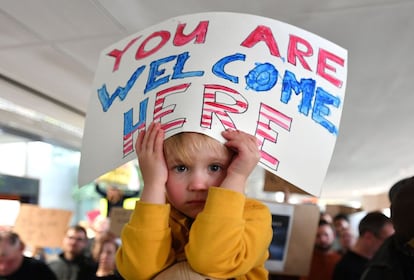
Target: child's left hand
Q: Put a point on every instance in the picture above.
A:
(245, 159)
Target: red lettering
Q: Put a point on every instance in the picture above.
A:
(119, 53)
(142, 53)
(180, 39)
(323, 57)
(264, 132)
(161, 111)
(199, 33)
(221, 110)
(294, 51)
(262, 33)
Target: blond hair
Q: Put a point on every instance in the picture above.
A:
(183, 146)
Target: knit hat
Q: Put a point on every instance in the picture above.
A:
(181, 271)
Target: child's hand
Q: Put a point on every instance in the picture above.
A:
(149, 150)
(244, 160)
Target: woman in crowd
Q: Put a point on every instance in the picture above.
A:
(104, 252)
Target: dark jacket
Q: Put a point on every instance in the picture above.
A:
(393, 261)
(31, 269)
(120, 203)
(81, 268)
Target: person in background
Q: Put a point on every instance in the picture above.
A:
(114, 196)
(72, 264)
(326, 217)
(340, 222)
(346, 240)
(193, 211)
(14, 265)
(100, 228)
(396, 187)
(394, 260)
(324, 258)
(373, 229)
(103, 254)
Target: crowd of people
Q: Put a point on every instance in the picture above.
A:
(194, 219)
(193, 201)
(82, 258)
(382, 250)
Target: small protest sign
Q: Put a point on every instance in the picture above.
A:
(119, 217)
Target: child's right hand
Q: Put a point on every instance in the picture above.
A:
(149, 150)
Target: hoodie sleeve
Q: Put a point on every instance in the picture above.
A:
(146, 242)
(230, 237)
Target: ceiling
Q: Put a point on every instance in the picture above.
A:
(49, 51)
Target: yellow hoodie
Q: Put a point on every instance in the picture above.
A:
(228, 239)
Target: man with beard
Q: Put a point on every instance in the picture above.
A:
(324, 257)
(72, 264)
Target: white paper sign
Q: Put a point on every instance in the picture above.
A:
(212, 71)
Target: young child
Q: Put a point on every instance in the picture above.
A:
(193, 208)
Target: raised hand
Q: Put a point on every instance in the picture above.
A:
(149, 150)
(245, 158)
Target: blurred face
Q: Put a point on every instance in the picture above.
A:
(74, 242)
(385, 232)
(346, 238)
(107, 255)
(340, 225)
(11, 257)
(189, 178)
(324, 237)
(113, 194)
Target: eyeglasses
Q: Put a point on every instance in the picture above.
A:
(77, 239)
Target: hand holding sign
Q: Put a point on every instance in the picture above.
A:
(149, 147)
(245, 158)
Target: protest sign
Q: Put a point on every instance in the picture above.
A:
(119, 217)
(213, 71)
(42, 227)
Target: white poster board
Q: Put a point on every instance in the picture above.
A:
(212, 71)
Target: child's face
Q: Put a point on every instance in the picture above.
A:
(189, 179)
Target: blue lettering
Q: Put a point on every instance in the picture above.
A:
(262, 78)
(218, 67)
(121, 92)
(320, 110)
(154, 72)
(178, 73)
(178, 68)
(129, 126)
(306, 86)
